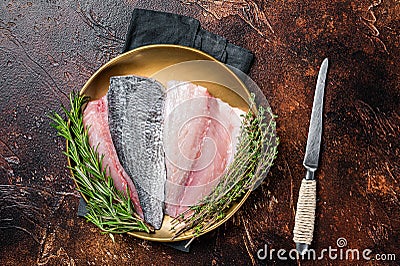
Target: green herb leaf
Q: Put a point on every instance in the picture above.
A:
(108, 208)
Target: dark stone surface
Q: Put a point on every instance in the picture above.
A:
(50, 47)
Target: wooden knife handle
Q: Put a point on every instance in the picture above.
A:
(305, 214)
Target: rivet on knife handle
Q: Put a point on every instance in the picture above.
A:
(305, 214)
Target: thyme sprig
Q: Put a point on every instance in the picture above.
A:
(255, 154)
(109, 209)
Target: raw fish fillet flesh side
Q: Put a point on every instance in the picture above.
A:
(186, 111)
(208, 131)
(95, 117)
(136, 126)
(219, 145)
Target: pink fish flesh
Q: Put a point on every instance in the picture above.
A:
(95, 116)
(200, 137)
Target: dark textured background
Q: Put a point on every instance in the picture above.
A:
(50, 47)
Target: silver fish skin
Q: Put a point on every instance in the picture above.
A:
(136, 126)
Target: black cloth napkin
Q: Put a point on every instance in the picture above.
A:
(82, 211)
(154, 27)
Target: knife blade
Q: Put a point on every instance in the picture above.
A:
(305, 214)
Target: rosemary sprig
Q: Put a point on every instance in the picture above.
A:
(109, 209)
(255, 154)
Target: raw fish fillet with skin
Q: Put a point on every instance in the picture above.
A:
(201, 134)
(95, 116)
(136, 126)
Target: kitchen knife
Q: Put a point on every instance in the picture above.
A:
(305, 214)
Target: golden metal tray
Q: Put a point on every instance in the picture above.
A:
(173, 62)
